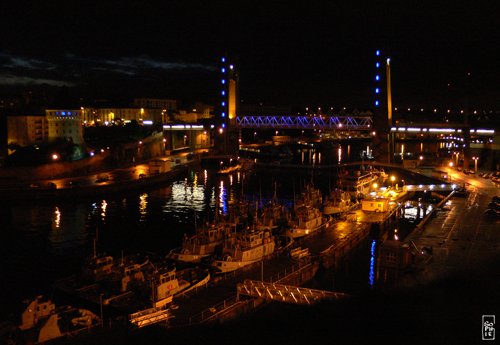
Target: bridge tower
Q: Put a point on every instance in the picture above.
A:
(226, 138)
(382, 121)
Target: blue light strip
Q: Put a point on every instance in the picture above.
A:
(377, 79)
(224, 87)
(371, 276)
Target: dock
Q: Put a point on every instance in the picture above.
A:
(230, 295)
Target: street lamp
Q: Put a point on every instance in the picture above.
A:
(393, 178)
(449, 170)
(475, 163)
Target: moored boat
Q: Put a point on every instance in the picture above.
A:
(42, 321)
(202, 244)
(307, 221)
(338, 202)
(244, 249)
(310, 196)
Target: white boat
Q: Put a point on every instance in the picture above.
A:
(202, 244)
(338, 202)
(245, 249)
(271, 216)
(42, 321)
(310, 196)
(159, 289)
(307, 220)
(358, 184)
(168, 283)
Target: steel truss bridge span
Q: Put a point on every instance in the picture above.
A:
(306, 122)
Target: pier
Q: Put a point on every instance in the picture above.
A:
(280, 276)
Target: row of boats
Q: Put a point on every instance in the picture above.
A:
(143, 287)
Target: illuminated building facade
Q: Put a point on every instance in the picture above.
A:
(65, 124)
(27, 130)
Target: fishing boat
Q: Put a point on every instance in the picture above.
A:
(244, 249)
(338, 202)
(358, 184)
(310, 196)
(159, 289)
(307, 220)
(202, 244)
(272, 215)
(42, 321)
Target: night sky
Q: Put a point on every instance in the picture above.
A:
(317, 53)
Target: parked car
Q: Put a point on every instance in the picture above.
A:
(103, 178)
(492, 213)
(494, 205)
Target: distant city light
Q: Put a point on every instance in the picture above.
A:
(377, 52)
(377, 77)
(377, 90)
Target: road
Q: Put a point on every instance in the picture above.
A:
(461, 236)
(108, 177)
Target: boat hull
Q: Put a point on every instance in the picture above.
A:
(229, 264)
(297, 232)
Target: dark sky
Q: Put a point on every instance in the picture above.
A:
(317, 53)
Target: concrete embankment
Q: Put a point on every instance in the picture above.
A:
(20, 194)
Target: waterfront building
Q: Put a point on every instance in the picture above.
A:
(65, 124)
(105, 116)
(27, 130)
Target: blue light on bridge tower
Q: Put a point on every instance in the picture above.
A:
(377, 79)
(224, 76)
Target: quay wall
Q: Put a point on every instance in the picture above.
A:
(54, 170)
(16, 194)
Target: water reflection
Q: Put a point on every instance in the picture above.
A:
(223, 198)
(185, 196)
(68, 228)
(371, 275)
(104, 206)
(57, 218)
(143, 206)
